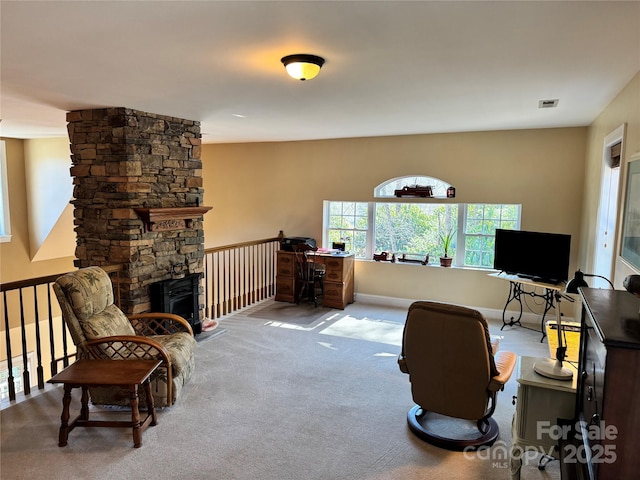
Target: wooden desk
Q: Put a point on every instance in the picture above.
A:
(99, 373)
(338, 280)
(517, 288)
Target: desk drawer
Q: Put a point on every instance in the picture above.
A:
(334, 295)
(286, 265)
(334, 269)
(285, 289)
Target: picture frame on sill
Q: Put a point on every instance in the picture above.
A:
(630, 245)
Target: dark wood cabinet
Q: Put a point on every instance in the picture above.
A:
(607, 426)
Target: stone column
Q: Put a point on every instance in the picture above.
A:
(123, 159)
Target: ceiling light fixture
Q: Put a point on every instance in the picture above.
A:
(302, 66)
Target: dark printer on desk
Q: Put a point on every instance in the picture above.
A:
(289, 242)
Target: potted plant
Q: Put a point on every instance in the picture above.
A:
(446, 238)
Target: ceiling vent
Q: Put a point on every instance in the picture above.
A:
(548, 103)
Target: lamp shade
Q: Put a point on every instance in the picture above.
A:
(576, 282)
(302, 66)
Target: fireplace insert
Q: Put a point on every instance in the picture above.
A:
(180, 297)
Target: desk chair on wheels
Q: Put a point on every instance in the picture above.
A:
(310, 273)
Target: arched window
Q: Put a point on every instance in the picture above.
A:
(412, 186)
(408, 227)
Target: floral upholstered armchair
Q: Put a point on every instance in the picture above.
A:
(101, 330)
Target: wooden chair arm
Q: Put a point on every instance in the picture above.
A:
(158, 323)
(127, 347)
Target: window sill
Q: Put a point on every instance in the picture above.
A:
(413, 264)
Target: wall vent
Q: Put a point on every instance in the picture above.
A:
(548, 103)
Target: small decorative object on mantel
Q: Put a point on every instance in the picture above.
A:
(424, 191)
(421, 260)
(170, 218)
(451, 192)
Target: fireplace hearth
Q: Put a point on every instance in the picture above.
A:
(180, 297)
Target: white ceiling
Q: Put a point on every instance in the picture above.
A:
(391, 67)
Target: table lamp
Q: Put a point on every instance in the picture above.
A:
(549, 368)
(578, 281)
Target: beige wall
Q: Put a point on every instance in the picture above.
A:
(49, 187)
(258, 189)
(624, 109)
(15, 256)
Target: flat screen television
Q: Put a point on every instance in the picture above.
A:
(542, 257)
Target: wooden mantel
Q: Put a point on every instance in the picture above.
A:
(170, 218)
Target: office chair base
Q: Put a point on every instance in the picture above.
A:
(485, 439)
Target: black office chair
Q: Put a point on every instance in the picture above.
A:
(310, 273)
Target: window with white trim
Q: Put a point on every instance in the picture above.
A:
(414, 228)
(348, 223)
(480, 221)
(5, 224)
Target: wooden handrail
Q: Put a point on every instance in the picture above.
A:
(243, 244)
(32, 282)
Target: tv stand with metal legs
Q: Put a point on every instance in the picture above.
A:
(518, 289)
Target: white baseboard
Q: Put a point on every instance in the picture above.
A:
(529, 318)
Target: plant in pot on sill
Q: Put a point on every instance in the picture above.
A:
(446, 239)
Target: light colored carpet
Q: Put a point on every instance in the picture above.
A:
(301, 314)
(273, 400)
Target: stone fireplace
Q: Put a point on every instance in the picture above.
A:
(137, 197)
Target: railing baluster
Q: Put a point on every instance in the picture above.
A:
(39, 370)
(264, 271)
(26, 380)
(218, 285)
(52, 339)
(7, 332)
(236, 287)
(253, 274)
(244, 276)
(239, 278)
(206, 286)
(65, 347)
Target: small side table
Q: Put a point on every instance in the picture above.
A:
(87, 373)
(540, 403)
